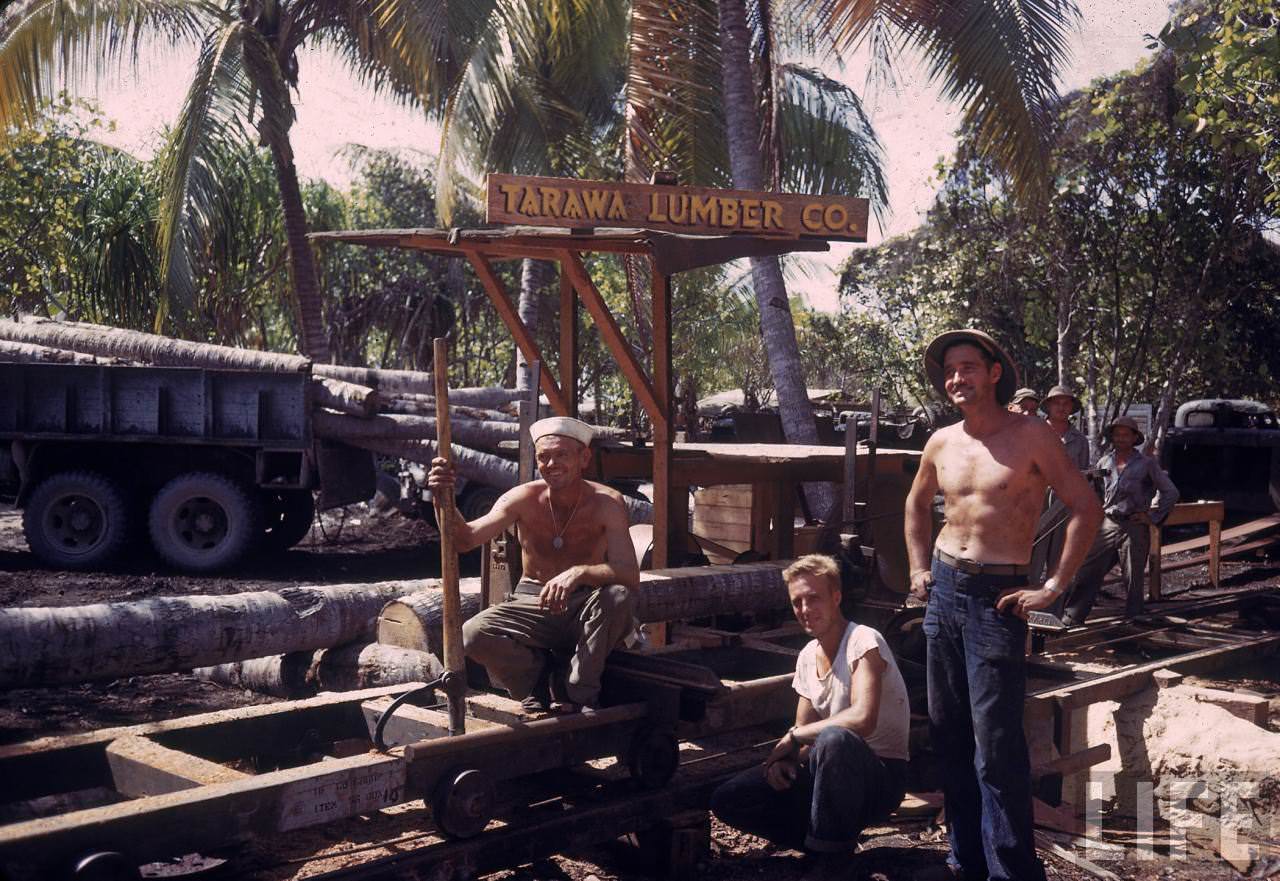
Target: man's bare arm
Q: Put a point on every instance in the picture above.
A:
(919, 519)
(471, 535)
(863, 712)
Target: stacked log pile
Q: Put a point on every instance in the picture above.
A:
(391, 412)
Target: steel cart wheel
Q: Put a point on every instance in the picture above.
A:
(653, 757)
(201, 521)
(77, 520)
(463, 803)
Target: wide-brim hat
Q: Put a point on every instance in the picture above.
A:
(1126, 422)
(1061, 391)
(938, 346)
(1023, 393)
(565, 426)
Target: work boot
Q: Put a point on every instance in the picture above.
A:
(539, 700)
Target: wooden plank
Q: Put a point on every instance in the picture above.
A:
(587, 204)
(611, 333)
(1194, 512)
(507, 312)
(1215, 552)
(412, 724)
(1074, 762)
(142, 767)
(1114, 686)
(1244, 530)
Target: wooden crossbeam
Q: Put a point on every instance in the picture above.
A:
(595, 305)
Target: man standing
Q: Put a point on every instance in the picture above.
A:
(1025, 401)
(1136, 494)
(1059, 406)
(579, 565)
(992, 469)
(842, 765)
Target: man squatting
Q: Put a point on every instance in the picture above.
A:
(842, 765)
(992, 469)
(579, 569)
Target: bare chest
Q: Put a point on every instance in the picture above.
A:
(992, 469)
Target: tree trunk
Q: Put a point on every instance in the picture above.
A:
(345, 397)
(467, 431)
(425, 405)
(414, 622)
(29, 353)
(344, 668)
(312, 333)
(480, 467)
(47, 646)
(533, 278)
(417, 382)
(133, 345)
(776, 323)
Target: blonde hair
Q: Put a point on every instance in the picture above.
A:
(819, 565)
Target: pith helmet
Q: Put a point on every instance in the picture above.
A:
(1126, 422)
(939, 344)
(1061, 391)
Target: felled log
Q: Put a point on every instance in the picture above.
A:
(343, 668)
(115, 342)
(345, 397)
(47, 646)
(394, 426)
(415, 621)
(30, 353)
(425, 405)
(481, 467)
(417, 382)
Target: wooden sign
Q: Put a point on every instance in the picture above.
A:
(583, 204)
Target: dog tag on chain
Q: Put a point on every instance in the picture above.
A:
(557, 542)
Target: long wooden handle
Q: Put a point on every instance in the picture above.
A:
(445, 514)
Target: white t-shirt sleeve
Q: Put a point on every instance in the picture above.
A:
(861, 640)
(804, 679)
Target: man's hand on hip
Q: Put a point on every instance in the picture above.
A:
(921, 581)
(1023, 602)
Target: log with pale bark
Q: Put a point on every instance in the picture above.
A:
(425, 405)
(48, 646)
(345, 397)
(115, 342)
(337, 426)
(481, 467)
(415, 621)
(417, 382)
(343, 668)
(30, 353)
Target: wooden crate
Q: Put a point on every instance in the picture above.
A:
(723, 514)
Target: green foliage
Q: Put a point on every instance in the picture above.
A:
(1231, 77)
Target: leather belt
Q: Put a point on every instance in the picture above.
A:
(973, 567)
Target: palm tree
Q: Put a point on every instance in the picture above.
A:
(240, 93)
(997, 57)
(539, 97)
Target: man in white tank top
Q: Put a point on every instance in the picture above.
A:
(842, 765)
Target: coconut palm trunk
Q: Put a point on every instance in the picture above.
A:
(312, 334)
(533, 276)
(747, 164)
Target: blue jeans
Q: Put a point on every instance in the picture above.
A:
(838, 792)
(977, 685)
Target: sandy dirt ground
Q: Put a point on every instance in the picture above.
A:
(362, 548)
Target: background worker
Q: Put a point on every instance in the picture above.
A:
(842, 765)
(1136, 494)
(1059, 405)
(1024, 401)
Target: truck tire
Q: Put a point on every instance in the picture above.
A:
(77, 520)
(201, 521)
(287, 516)
(477, 501)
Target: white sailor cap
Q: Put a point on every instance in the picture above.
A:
(562, 425)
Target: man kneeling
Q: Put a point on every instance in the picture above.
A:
(842, 766)
(579, 568)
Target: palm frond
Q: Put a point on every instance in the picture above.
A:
(826, 140)
(45, 44)
(998, 58)
(233, 76)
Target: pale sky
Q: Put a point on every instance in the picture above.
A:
(915, 127)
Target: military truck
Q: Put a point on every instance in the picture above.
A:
(208, 465)
(1228, 449)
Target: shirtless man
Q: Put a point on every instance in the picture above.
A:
(992, 469)
(579, 568)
